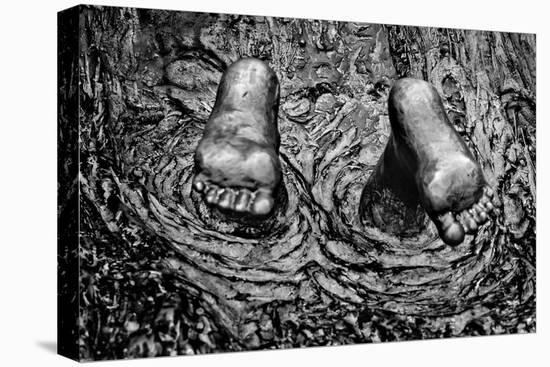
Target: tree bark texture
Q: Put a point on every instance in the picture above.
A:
(163, 275)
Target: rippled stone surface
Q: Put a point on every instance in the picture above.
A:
(165, 274)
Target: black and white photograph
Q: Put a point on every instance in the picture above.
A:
(234, 180)
(254, 182)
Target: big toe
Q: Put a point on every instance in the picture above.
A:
(263, 203)
(450, 230)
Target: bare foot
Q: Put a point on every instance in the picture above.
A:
(426, 162)
(237, 163)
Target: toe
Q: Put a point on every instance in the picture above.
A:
(212, 195)
(469, 223)
(489, 207)
(198, 183)
(226, 199)
(450, 230)
(242, 200)
(474, 215)
(263, 203)
(483, 216)
(478, 209)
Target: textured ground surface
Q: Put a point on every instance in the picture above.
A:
(162, 275)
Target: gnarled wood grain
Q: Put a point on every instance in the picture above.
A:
(166, 275)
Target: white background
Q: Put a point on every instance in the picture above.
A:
(28, 182)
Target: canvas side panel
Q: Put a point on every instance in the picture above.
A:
(67, 183)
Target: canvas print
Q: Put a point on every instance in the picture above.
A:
(234, 182)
